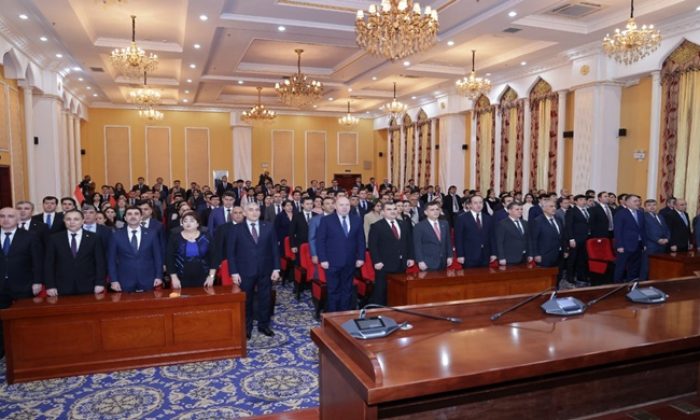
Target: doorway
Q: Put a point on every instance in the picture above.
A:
(5, 187)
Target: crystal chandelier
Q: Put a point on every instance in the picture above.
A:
(259, 112)
(631, 44)
(395, 108)
(471, 86)
(299, 90)
(145, 97)
(348, 119)
(150, 114)
(133, 61)
(396, 28)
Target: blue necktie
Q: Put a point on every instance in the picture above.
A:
(634, 214)
(48, 220)
(6, 243)
(134, 241)
(346, 227)
(73, 245)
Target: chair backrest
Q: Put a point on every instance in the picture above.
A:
(305, 257)
(600, 249)
(288, 248)
(367, 269)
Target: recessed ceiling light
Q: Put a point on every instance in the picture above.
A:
(23, 16)
(281, 28)
(413, 97)
(59, 55)
(488, 74)
(698, 9)
(406, 63)
(43, 39)
(366, 112)
(330, 99)
(512, 13)
(437, 92)
(203, 18)
(94, 95)
(189, 80)
(193, 66)
(185, 100)
(450, 43)
(80, 79)
(197, 46)
(523, 63)
(349, 89)
(76, 69)
(374, 77)
(240, 82)
(187, 91)
(315, 106)
(89, 88)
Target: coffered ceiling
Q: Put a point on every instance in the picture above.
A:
(214, 52)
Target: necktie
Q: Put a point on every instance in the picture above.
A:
(610, 218)
(143, 224)
(436, 228)
(308, 217)
(657, 218)
(228, 215)
(478, 221)
(277, 209)
(22, 226)
(585, 214)
(48, 220)
(134, 241)
(520, 227)
(683, 217)
(553, 223)
(455, 204)
(346, 227)
(6, 243)
(395, 230)
(73, 245)
(254, 232)
(634, 215)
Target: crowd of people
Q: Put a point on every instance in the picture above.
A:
(168, 236)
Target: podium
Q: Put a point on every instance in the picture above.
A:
(525, 365)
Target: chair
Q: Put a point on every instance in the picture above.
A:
(318, 290)
(364, 282)
(224, 274)
(287, 260)
(601, 259)
(303, 270)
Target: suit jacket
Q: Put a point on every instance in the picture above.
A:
(696, 229)
(313, 228)
(270, 213)
(216, 217)
(141, 189)
(561, 216)
(299, 230)
(364, 207)
(598, 221)
(546, 241)
(576, 225)
(628, 233)
(334, 247)
(385, 248)
(104, 234)
(157, 227)
(655, 229)
(248, 258)
(220, 243)
(57, 224)
(74, 275)
(448, 207)
(428, 249)
(474, 244)
(680, 232)
(534, 212)
(22, 267)
(499, 215)
(134, 270)
(511, 245)
(221, 188)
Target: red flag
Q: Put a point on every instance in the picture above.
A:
(78, 194)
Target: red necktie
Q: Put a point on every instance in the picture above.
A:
(436, 228)
(394, 230)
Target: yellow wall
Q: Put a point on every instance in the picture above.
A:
(635, 112)
(569, 143)
(12, 135)
(467, 154)
(92, 138)
(381, 139)
(262, 146)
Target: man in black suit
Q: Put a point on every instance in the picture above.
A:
(20, 263)
(222, 186)
(90, 224)
(431, 240)
(221, 236)
(299, 228)
(391, 249)
(335, 189)
(548, 241)
(512, 237)
(601, 221)
(502, 213)
(75, 260)
(52, 219)
(416, 209)
(213, 201)
(154, 225)
(363, 204)
(679, 224)
(577, 233)
(27, 222)
(669, 207)
(68, 203)
(474, 235)
(452, 205)
(141, 187)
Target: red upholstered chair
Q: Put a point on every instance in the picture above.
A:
(601, 259)
(413, 269)
(303, 270)
(224, 274)
(318, 290)
(287, 260)
(364, 283)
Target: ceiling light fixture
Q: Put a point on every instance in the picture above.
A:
(59, 55)
(348, 119)
(523, 63)
(281, 28)
(89, 88)
(203, 18)
(185, 100)
(132, 62)
(374, 77)
(80, 79)
(450, 43)
(240, 82)
(151, 114)
(258, 113)
(298, 90)
(145, 97)
(43, 39)
(471, 86)
(632, 43)
(394, 108)
(406, 63)
(197, 46)
(512, 13)
(193, 66)
(23, 16)
(396, 28)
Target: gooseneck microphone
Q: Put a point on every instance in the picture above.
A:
(363, 313)
(521, 303)
(379, 326)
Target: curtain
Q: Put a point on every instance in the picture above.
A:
(687, 180)
(479, 138)
(670, 139)
(421, 158)
(519, 142)
(543, 142)
(512, 150)
(535, 144)
(409, 154)
(484, 151)
(428, 152)
(505, 143)
(553, 114)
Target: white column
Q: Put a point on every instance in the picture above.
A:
(242, 139)
(596, 147)
(78, 148)
(389, 152)
(654, 136)
(29, 141)
(47, 154)
(472, 152)
(453, 132)
(416, 138)
(433, 141)
(70, 140)
(560, 140)
(527, 131)
(497, 151)
(402, 150)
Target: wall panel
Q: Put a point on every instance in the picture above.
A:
(117, 149)
(158, 154)
(348, 153)
(283, 155)
(197, 155)
(315, 156)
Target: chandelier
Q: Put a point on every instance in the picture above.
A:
(348, 119)
(259, 112)
(151, 114)
(471, 86)
(145, 97)
(298, 90)
(133, 61)
(396, 28)
(631, 44)
(395, 108)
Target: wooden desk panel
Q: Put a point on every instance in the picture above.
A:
(526, 364)
(472, 283)
(73, 335)
(681, 264)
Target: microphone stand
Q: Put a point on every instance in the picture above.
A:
(363, 312)
(497, 315)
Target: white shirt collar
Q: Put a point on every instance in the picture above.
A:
(12, 234)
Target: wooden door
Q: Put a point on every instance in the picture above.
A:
(5, 187)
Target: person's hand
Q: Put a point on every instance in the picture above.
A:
(538, 259)
(175, 283)
(157, 282)
(99, 289)
(410, 263)
(502, 262)
(314, 260)
(449, 261)
(116, 286)
(236, 278)
(423, 266)
(460, 260)
(378, 266)
(209, 282)
(36, 288)
(275, 275)
(566, 255)
(52, 292)
(572, 243)
(529, 259)
(674, 248)
(325, 265)
(620, 250)
(492, 258)
(295, 249)
(359, 263)
(663, 241)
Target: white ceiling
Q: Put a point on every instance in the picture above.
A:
(241, 46)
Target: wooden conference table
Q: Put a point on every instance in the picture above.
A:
(525, 365)
(471, 283)
(677, 264)
(74, 335)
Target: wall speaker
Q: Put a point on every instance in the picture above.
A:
(437, 147)
(36, 140)
(83, 152)
(568, 134)
(465, 147)
(381, 154)
(622, 132)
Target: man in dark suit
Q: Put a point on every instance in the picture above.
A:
(630, 236)
(512, 237)
(75, 260)
(391, 249)
(299, 228)
(213, 202)
(363, 204)
(335, 188)
(670, 206)
(474, 235)
(340, 244)
(431, 240)
(222, 214)
(328, 206)
(154, 225)
(657, 234)
(577, 233)
(90, 224)
(502, 213)
(20, 263)
(296, 201)
(601, 221)
(273, 209)
(222, 234)
(452, 205)
(27, 222)
(222, 186)
(141, 187)
(52, 219)
(416, 209)
(679, 224)
(429, 195)
(548, 241)
(696, 230)
(253, 263)
(536, 210)
(134, 256)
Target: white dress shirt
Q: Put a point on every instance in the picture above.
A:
(78, 237)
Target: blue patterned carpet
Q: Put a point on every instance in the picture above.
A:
(280, 374)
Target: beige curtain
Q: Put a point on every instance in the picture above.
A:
(687, 182)
(545, 118)
(486, 134)
(512, 148)
(410, 153)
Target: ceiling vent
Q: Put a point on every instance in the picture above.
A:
(97, 69)
(576, 10)
(409, 76)
(512, 30)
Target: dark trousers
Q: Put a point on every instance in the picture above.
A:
(260, 287)
(578, 262)
(339, 287)
(628, 264)
(5, 302)
(380, 287)
(559, 261)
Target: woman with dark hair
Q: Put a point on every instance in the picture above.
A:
(529, 202)
(95, 200)
(119, 190)
(492, 201)
(283, 221)
(188, 257)
(372, 216)
(111, 218)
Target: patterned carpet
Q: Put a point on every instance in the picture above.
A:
(279, 374)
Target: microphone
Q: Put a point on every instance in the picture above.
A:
(636, 294)
(521, 303)
(453, 320)
(375, 327)
(563, 306)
